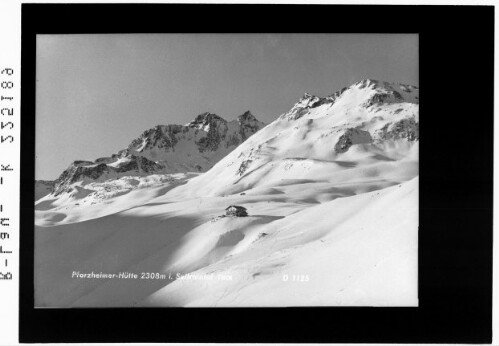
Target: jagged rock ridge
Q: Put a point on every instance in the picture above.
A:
(129, 165)
(369, 112)
(196, 146)
(365, 121)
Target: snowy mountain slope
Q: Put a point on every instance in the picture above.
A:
(101, 198)
(354, 250)
(323, 255)
(331, 190)
(196, 146)
(84, 172)
(370, 127)
(165, 149)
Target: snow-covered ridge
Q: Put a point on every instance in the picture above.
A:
(90, 171)
(351, 126)
(196, 146)
(369, 112)
(330, 189)
(371, 92)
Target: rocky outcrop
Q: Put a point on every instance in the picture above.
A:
(104, 160)
(161, 137)
(207, 121)
(369, 111)
(77, 171)
(244, 166)
(208, 131)
(308, 102)
(248, 125)
(138, 164)
(203, 142)
(135, 165)
(384, 92)
(378, 93)
(383, 97)
(80, 163)
(350, 137)
(403, 129)
(216, 128)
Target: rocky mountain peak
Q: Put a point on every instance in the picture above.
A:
(306, 96)
(248, 121)
(366, 93)
(164, 149)
(246, 117)
(304, 104)
(369, 121)
(205, 120)
(366, 83)
(81, 170)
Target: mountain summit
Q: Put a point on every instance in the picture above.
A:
(194, 147)
(366, 93)
(366, 126)
(367, 118)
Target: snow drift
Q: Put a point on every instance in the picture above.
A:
(331, 191)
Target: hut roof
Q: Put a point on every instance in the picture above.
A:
(238, 207)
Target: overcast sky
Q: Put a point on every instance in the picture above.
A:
(95, 93)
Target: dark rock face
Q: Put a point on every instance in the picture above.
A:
(89, 172)
(333, 97)
(206, 119)
(308, 102)
(77, 172)
(139, 164)
(376, 99)
(397, 95)
(104, 160)
(248, 125)
(403, 129)
(79, 163)
(66, 177)
(244, 166)
(384, 93)
(350, 137)
(162, 137)
(246, 117)
(217, 129)
(208, 131)
(300, 112)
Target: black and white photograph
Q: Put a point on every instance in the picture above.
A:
(247, 173)
(226, 170)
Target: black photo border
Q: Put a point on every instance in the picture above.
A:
(456, 157)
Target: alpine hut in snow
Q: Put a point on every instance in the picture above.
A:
(235, 210)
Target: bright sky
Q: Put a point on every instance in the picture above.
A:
(96, 93)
